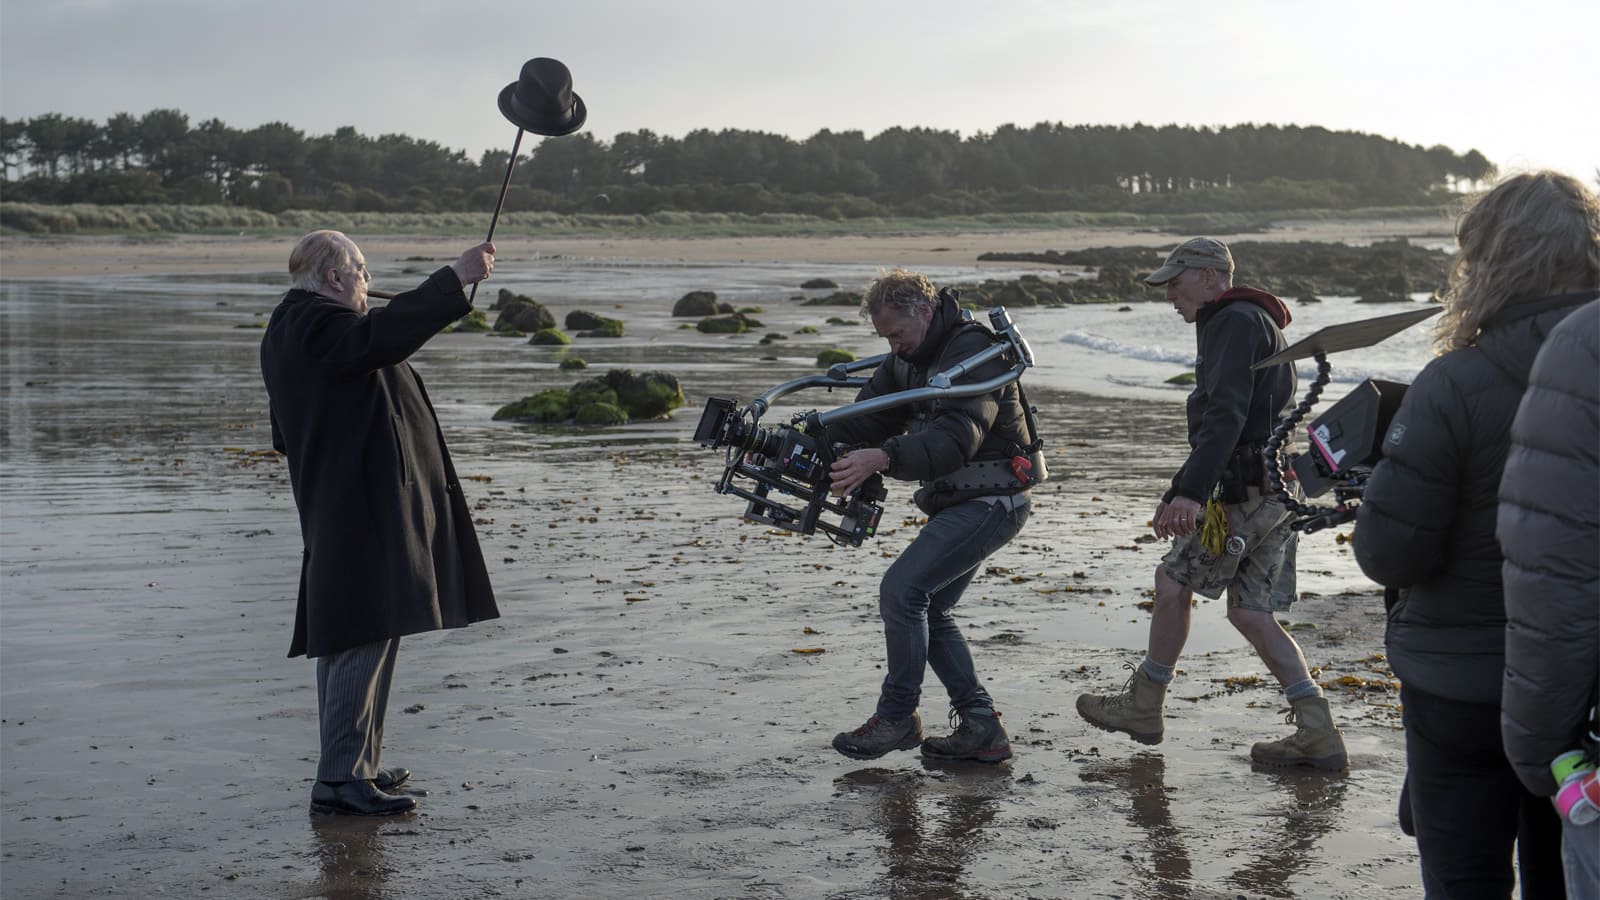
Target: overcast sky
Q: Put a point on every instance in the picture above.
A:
(1514, 79)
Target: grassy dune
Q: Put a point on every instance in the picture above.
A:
(171, 219)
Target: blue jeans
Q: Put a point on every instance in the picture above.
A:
(917, 594)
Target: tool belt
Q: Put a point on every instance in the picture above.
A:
(1246, 468)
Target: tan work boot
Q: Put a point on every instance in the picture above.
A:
(1135, 712)
(1315, 742)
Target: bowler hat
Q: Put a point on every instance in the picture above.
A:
(1195, 253)
(542, 101)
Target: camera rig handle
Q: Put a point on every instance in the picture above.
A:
(942, 384)
(836, 376)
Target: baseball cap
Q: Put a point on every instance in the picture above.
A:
(1195, 253)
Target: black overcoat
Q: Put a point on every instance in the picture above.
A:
(389, 544)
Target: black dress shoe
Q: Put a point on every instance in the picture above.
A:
(391, 778)
(357, 798)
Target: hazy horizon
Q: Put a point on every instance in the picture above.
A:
(1421, 73)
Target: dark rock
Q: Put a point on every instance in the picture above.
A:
(552, 405)
(476, 320)
(696, 304)
(518, 313)
(645, 395)
(735, 323)
(600, 414)
(837, 298)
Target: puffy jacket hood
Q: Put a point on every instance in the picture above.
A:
(1505, 338)
(1276, 308)
(946, 315)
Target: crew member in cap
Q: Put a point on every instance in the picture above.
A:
(1231, 411)
(389, 544)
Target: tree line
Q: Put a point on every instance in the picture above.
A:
(160, 157)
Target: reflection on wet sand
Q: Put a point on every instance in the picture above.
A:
(934, 820)
(1315, 800)
(351, 859)
(1272, 855)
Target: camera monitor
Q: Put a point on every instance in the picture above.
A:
(1347, 436)
(1346, 441)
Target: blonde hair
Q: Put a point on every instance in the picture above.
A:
(1533, 235)
(906, 291)
(316, 253)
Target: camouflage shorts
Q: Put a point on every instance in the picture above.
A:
(1260, 578)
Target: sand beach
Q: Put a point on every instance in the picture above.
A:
(640, 722)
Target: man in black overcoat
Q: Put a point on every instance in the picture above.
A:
(389, 544)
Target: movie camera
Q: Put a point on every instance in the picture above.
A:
(783, 471)
(1346, 441)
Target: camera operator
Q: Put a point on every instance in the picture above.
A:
(1231, 411)
(1529, 255)
(962, 451)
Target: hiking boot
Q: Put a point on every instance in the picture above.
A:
(879, 736)
(978, 736)
(1315, 742)
(1135, 712)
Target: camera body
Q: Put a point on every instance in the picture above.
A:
(783, 473)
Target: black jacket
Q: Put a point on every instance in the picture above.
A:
(389, 544)
(1426, 524)
(1231, 405)
(931, 439)
(1549, 530)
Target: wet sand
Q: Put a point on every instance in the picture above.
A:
(43, 257)
(638, 723)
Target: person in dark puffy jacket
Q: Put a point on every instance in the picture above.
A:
(1529, 255)
(962, 452)
(1232, 411)
(1549, 530)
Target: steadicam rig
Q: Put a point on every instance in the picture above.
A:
(1347, 440)
(783, 471)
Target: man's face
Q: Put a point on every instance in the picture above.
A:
(903, 332)
(1190, 291)
(348, 284)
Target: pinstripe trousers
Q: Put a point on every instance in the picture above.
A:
(352, 694)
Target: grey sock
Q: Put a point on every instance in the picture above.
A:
(1158, 673)
(1301, 689)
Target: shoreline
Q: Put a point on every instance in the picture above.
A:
(640, 720)
(63, 256)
